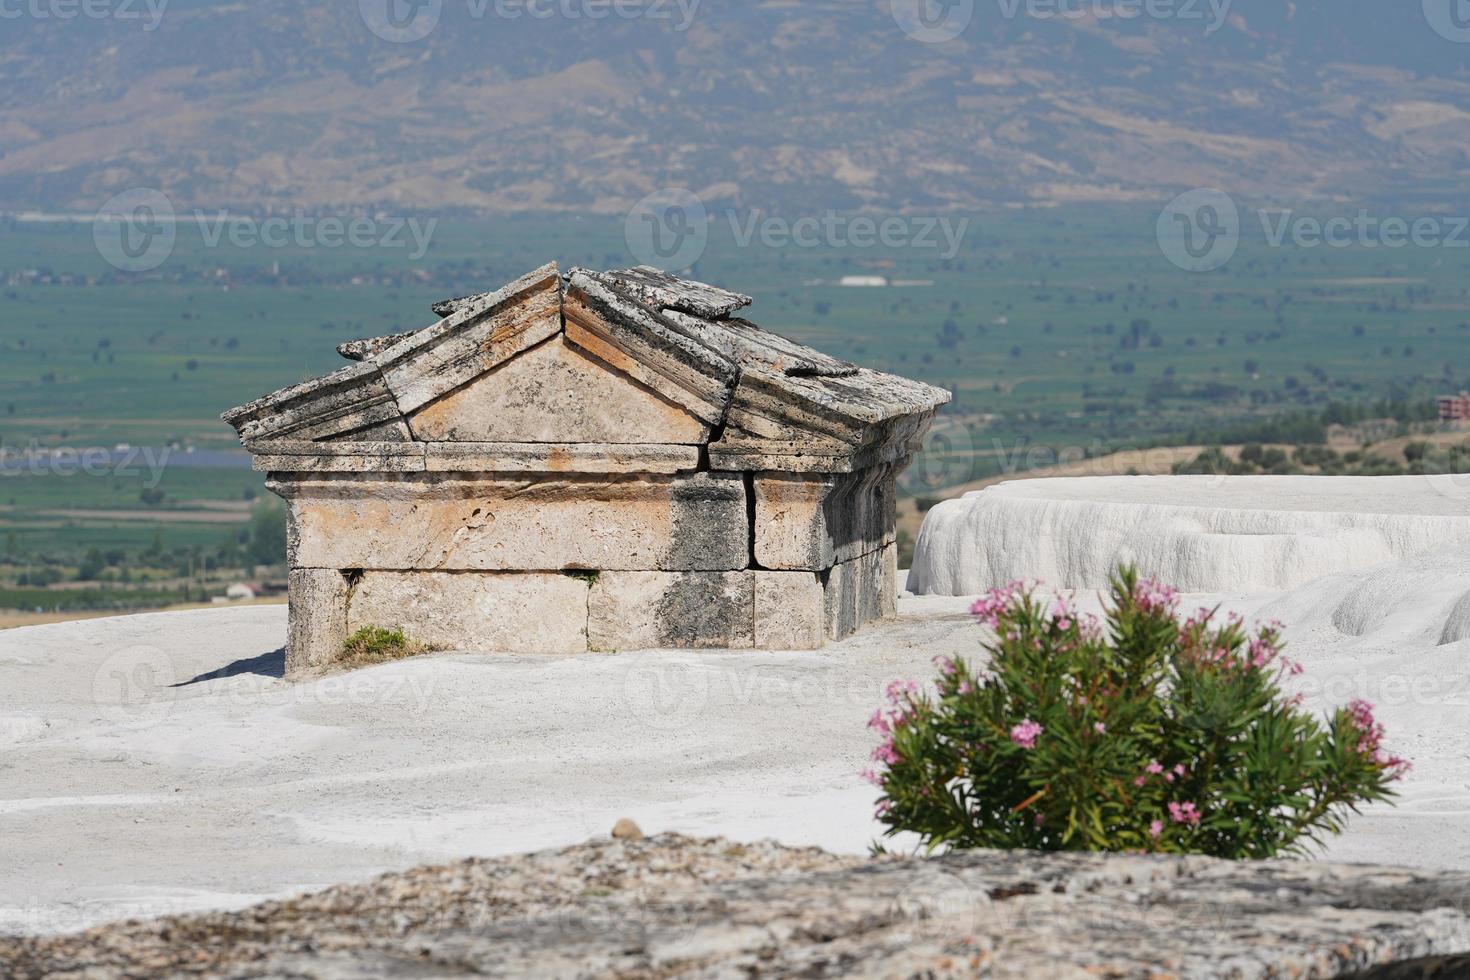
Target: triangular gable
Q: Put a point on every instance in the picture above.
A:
(556, 392)
(474, 339)
(633, 357)
(633, 339)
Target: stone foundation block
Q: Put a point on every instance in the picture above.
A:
(318, 618)
(815, 521)
(790, 611)
(861, 591)
(669, 610)
(491, 612)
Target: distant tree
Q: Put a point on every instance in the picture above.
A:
(267, 535)
(91, 567)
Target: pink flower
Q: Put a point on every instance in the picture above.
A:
(1184, 813)
(1025, 734)
(886, 753)
(1150, 596)
(964, 687)
(1062, 615)
(869, 776)
(878, 723)
(898, 690)
(1179, 770)
(1397, 768)
(1360, 713)
(1139, 781)
(989, 608)
(882, 808)
(1155, 829)
(1153, 768)
(1099, 728)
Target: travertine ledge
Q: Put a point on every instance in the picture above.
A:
(674, 907)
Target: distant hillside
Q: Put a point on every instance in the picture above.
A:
(778, 105)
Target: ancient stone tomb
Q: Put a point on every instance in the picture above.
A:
(598, 461)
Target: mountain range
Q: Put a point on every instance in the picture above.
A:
(588, 105)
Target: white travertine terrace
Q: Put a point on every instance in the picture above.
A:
(1198, 533)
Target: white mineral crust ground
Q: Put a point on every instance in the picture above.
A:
(154, 764)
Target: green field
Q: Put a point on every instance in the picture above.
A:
(1067, 324)
(1063, 327)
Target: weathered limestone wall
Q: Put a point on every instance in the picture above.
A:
(546, 523)
(570, 563)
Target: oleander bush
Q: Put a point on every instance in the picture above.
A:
(1135, 732)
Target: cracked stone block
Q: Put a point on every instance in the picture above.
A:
(490, 612)
(673, 523)
(815, 521)
(861, 591)
(669, 610)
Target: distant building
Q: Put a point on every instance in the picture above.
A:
(1455, 408)
(863, 281)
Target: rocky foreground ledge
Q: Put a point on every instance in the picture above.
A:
(673, 907)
